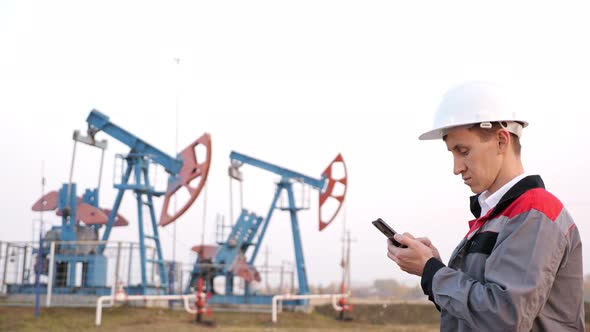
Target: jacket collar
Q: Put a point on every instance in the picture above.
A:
(522, 186)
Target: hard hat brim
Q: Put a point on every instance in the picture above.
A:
(438, 133)
(433, 134)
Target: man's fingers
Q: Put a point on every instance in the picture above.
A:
(404, 239)
(392, 248)
(392, 257)
(425, 241)
(406, 234)
(397, 261)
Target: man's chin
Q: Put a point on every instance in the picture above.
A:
(476, 190)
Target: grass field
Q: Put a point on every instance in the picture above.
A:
(382, 317)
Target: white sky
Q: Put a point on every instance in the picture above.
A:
(293, 83)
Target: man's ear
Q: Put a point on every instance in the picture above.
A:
(504, 139)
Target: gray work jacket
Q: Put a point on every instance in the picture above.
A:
(518, 269)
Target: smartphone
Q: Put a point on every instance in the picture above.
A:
(387, 231)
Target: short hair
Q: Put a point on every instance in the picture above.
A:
(485, 134)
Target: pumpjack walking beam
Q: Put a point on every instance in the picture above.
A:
(182, 170)
(326, 185)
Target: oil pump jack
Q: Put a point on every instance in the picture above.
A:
(186, 172)
(231, 258)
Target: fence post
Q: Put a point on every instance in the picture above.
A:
(38, 275)
(117, 264)
(50, 274)
(5, 266)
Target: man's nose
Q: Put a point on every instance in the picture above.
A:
(458, 166)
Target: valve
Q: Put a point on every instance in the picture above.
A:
(201, 303)
(344, 305)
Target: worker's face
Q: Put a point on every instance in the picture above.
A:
(477, 161)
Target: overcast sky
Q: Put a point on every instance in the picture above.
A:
(293, 83)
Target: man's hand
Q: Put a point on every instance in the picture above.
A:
(413, 258)
(426, 241)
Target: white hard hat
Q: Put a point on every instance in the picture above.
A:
(471, 103)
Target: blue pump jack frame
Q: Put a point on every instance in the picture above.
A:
(137, 161)
(286, 183)
(137, 165)
(95, 280)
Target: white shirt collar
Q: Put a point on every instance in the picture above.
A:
(487, 203)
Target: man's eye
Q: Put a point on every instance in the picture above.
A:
(464, 152)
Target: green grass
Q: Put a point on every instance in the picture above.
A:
(151, 319)
(366, 318)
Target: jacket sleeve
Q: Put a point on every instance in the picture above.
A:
(518, 277)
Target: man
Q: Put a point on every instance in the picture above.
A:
(519, 267)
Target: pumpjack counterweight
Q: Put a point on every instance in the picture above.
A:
(186, 170)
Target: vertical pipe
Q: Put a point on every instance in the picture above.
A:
(100, 172)
(142, 253)
(4, 276)
(1, 279)
(5, 265)
(153, 270)
(25, 263)
(50, 276)
(99, 310)
(204, 215)
(38, 276)
(181, 282)
(274, 309)
(299, 258)
(171, 278)
(348, 262)
(17, 261)
(129, 265)
(42, 193)
(281, 275)
(117, 262)
(71, 174)
(231, 204)
(241, 196)
(292, 282)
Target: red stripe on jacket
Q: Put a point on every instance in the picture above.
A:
(538, 199)
(534, 199)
